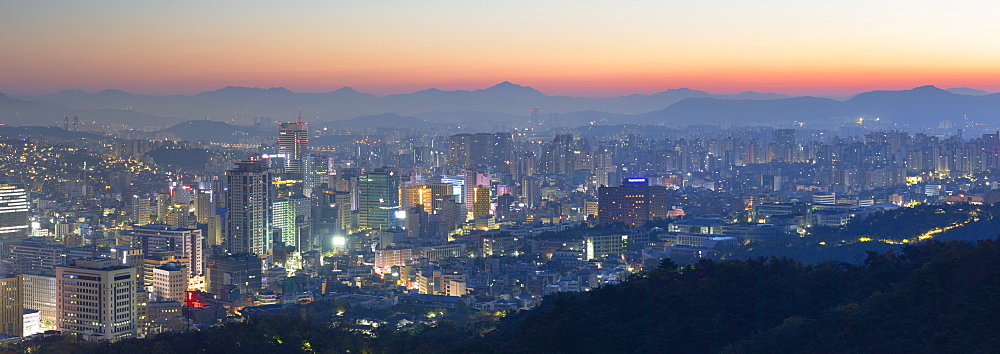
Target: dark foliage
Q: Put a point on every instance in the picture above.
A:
(928, 297)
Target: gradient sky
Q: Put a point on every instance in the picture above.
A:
(579, 47)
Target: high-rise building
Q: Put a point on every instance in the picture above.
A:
(480, 202)
(283, 221)
(378, 199)
(416, 195)
(247, 202)
(13, 211)
(184, 243)
(11, 306)
(293, 142)
(242, 271)
(633, 203)
(97, 298)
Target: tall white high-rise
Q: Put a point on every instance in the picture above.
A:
(13, 211)
(293, 142)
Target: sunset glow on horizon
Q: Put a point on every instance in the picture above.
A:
(593, 49)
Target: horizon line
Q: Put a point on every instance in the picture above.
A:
(607, 95)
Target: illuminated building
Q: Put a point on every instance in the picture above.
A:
(480, 202)
(293, 143)
(634, 203)
(96, 298)
(39, 293)
(11, 306)
(247, 200)
(169, 283)
(417, 195)
(13, 212)
(378, 199)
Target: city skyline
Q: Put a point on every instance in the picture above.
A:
(592, 50)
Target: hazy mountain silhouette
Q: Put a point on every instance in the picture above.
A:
(506, 102)
(468, 116)
(714, 110)
(279, 103)
(207, 130)
(385, 120)
(22, 112)
(967, 91)
(926, 105)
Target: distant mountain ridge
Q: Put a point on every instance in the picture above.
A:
(505, 102)
(925, 105)
(280, 103)
(19, 112)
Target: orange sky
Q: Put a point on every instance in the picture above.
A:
(591, 48)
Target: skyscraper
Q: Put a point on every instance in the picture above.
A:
(378, 199)
(13, 211)
(247, 200)
(293, 142)
(11, 306)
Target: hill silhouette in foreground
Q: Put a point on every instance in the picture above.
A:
(928, 297)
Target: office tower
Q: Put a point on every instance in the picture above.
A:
(293, 142)
(634, 203)
(247, 201)
(11, 306)
(531, 190)
(480, 202)
(38, 292)
(203, 206)
(378, 199)
(13, 211)
(170, 282)
(283, 221)
(416, 221)
(417, 195)
(111, 309)
(439, 191)
(302, 206)
(184, 243)
(241, 272)
(291, 219)
(141, 209)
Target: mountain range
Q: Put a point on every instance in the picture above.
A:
(504, 102)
